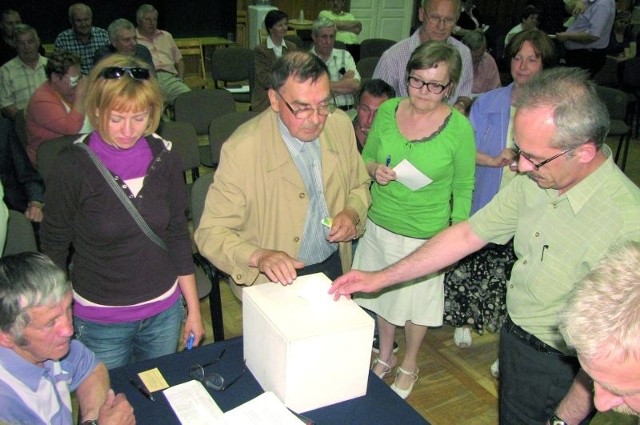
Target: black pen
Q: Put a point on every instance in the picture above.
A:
(142, 389)
(544, 247)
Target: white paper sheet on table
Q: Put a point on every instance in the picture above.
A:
(266, 409)
(192, 403)
(410, 176)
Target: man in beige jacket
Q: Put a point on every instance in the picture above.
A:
(291, 191)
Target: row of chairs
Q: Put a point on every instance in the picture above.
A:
(236, 64)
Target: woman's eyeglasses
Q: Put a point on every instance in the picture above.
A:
(215, 381)
(117, 72)
(435, 88)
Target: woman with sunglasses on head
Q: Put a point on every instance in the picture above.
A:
(425, 132)
(475, 289)
(129, 282)
(56, 108)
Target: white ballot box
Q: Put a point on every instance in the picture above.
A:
(309, 350)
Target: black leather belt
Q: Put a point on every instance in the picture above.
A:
(529, 339)
(320, 267)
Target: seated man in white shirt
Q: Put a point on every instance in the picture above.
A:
(22, 75)
(167, 59)
(345, 79)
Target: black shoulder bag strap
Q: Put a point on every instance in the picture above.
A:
(123, 198)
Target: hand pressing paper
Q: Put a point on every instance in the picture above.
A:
(410, 176)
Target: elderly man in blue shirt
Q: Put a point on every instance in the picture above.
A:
(39, 362)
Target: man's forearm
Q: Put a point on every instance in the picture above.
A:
(180, 69)
(92, 392)
(578, 402)
(576, 37)
(345, 86)
(444, 249)
(351, 26)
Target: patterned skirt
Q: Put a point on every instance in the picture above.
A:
(475, 289)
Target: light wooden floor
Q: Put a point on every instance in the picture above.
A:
(455, 385)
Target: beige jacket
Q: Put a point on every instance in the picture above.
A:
(258, 199)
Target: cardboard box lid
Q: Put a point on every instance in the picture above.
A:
(306, 298)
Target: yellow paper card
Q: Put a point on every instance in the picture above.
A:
(153, 380)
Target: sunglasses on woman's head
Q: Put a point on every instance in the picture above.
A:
(117, 72)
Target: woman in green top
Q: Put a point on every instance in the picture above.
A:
(424, 132)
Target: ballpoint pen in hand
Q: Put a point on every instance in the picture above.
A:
(388, 161)
(142, 389)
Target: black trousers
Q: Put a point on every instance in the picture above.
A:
(534, 377)
(331, 266)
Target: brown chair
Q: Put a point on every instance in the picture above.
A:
(193, 58)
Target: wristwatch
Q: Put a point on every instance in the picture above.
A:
(95, 422)
(554, 419)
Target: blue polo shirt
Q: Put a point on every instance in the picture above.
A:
(34, 395)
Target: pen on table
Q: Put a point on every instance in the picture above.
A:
(142, 389)
(192, 338)
(388, 161)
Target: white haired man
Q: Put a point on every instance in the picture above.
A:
(601, 322)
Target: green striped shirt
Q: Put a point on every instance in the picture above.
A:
(558, 240)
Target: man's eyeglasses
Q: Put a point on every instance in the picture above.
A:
(117, 72)
(542, 163)
(215, 381)
(435, 88)
(323, 110)
(437, 20)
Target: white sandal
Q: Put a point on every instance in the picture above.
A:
(387, 367)
(404, 393)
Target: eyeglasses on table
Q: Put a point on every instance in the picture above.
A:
(215, 381)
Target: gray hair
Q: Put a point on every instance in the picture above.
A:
(457, 6)
(21, 29)
(27, 280)
(580, 116)
(78, 7)
(301, 66)
(143, 10)
(116, 26)
(603, 313)
(321, 23)
(431, 53)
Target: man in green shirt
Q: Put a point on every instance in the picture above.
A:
(568, 207)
